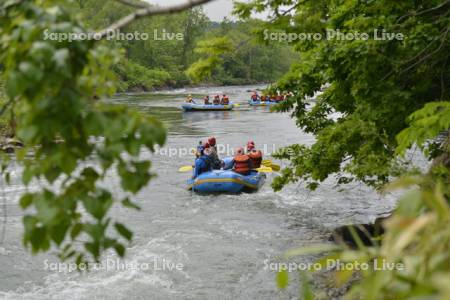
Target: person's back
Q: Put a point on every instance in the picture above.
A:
(225, 100)
(242, 162)
(216, 100)
(255, 155)
(207, 100)
(216, 163)
(202, 165)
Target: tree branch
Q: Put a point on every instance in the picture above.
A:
(6, 105)
(148, 11)
(423, 11)
(133, 4)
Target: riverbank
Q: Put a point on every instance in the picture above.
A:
(166, 88)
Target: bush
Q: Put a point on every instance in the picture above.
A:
(134, 76)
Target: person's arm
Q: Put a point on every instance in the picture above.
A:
(229, 166)
(250, 164)
(196, 168)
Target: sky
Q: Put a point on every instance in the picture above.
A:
(215, 10)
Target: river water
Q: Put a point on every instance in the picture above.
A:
(220, 244)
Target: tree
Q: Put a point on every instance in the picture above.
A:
(374, 83)
(382, 96)
(230, 54)
(72, 140)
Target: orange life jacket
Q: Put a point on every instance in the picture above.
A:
(242, 164)
(225, 101)
(256, 157)
(263, 98)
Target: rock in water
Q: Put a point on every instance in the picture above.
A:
(367, 233)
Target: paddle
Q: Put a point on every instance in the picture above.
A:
(268, 163)
(185, 169)
(264, 169)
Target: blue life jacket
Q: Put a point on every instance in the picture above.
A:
(202, 165)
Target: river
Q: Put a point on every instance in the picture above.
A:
(219, 243)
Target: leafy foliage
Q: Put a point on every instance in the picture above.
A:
(230, 55)
(213, 49)
(72, 138)
(133, 75)
(413, 259)
(424, 125)
(373, 84)
(382, 97)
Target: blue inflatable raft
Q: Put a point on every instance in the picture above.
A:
(226, 181)
(261, 103)
(206, 107)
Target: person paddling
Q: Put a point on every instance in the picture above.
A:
(225, 100)
(202, 163)
(216, 163)
(242, 163)
(190, 99)
(255, 96)
(216, 100)
(254, 154)
(207, 100)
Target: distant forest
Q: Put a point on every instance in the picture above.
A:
(162, 60)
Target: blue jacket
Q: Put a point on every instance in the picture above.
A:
(202, 165)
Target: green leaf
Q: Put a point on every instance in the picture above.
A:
(282, 278)
(26, 200)
(120, 249)
(123, 231)
(127, 203)
(76, 230)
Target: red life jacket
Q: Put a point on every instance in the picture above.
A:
(263, 98)
(242, 164)
(278, 98)
(225, 101)
(256, 157)
(254, 97)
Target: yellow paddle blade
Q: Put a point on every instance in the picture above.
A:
(264, 169)
(275, 167)
(185, 169)
(268, 163)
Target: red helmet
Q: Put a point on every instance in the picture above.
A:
(212, 141)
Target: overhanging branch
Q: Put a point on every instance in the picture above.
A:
(133, 4)
(149, 11)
